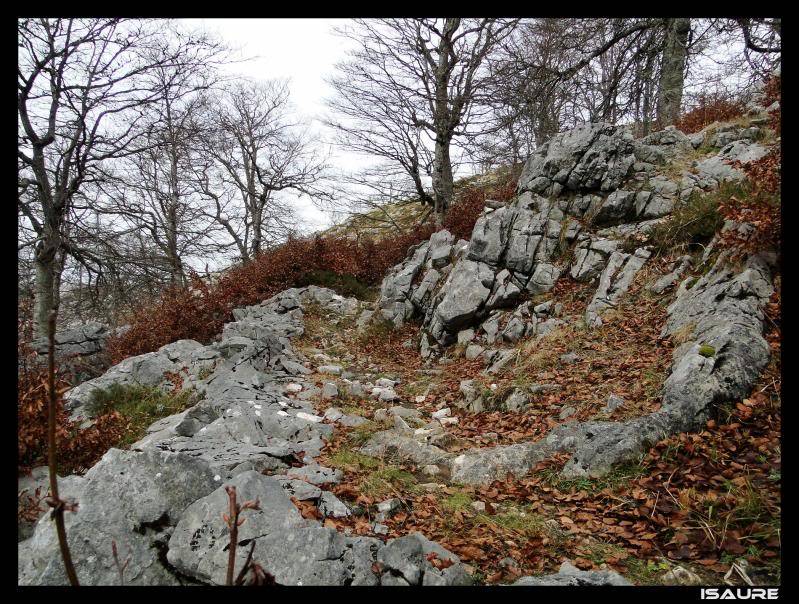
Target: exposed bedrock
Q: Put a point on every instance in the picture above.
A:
(580, 198)
(721, 322)
(162, 500)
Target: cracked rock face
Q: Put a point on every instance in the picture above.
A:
(515, 249)
(162, 501)
(199, 544)
(591, 187)
(134, 498)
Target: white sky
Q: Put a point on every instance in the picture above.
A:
(303, 50)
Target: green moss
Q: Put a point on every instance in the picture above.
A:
(707, 351)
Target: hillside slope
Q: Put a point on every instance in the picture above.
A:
(584, 392)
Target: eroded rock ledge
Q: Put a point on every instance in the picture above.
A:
(162, 500)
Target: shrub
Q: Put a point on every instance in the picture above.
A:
(772, 91)
(470, 203)
(140, 406)
(199, 311)
(757, 205)
(693, 222)
(78, 449)
(710, 108)
(346, 285)
(346, 265)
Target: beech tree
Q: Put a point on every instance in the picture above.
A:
(82, 87)
(153, 189)
(672, 70)
(411, 87)
(255, 152)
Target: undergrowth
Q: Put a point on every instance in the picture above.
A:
(140, 406)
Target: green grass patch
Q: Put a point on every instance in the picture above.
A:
(617, 477)
(522, 521)
(360, 434)
(348, 459)
(378, 329)
(457, 502)
(695, 220)
(388, 481)
(140, 405)
(354, 410)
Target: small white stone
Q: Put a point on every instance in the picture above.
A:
(421, 398)
(309, 417)
(158, 475)
(448, 420)
(203, 429)
(258, 413)
(282, 404)
(283, 413)
(257, 406)
(445, 412)
(493, 386)
(217, 478)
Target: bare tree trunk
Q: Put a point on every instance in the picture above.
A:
(672, 71)
(646, 79)
(442, 179)
(46, 294)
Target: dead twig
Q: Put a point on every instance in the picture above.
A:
(234, 522)
(54, 501)
(120, 566)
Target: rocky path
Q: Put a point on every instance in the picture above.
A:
(441, 409)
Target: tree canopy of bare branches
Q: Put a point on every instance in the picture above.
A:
(409, 88)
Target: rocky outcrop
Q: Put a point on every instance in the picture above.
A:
(721, 318)
(614, 282)
(132, 497)
(580, 199)
(80, 348)
(255, 428)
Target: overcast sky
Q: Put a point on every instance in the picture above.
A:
(303, 50)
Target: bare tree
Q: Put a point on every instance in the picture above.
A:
(82, 87)
(153, 189)
(255, 152)
(555, 73)
(412, 77)
(672, 71)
